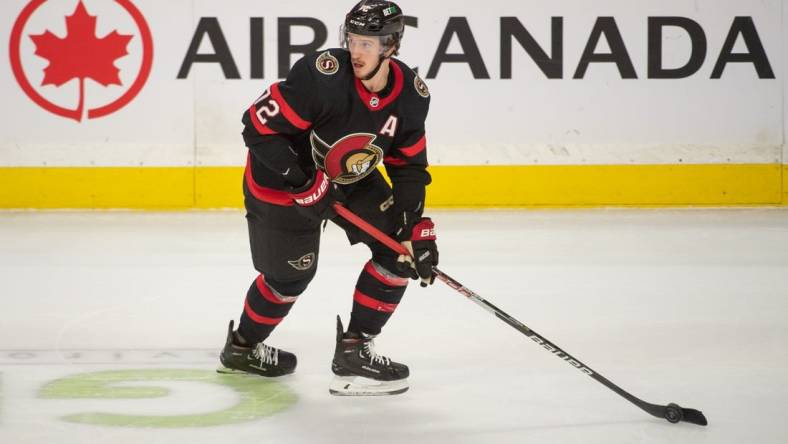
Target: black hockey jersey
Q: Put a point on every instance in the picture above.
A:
(322, 114)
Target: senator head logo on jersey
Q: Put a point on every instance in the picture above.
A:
(349, 159)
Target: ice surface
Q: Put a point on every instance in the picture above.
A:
(685, 306)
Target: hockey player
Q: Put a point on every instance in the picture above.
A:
(316, 139)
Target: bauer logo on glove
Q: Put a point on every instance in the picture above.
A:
(314, 199)
(314, 192)
(423, 252)
(428, 232)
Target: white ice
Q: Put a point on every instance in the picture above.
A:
(685, 306)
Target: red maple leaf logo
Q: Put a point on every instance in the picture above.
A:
(80, 54)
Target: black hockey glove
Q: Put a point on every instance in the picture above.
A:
(315, 199)
(419, 239)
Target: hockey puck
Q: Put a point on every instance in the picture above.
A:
(673, 413)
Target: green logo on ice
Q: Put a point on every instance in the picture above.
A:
(259, 397)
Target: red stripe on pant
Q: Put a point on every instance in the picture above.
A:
(258, 318)
(373, 303)
(264, 194)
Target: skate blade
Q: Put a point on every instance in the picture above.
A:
(360, 386)
(230, 371)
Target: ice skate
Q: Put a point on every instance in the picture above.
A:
(359, 371)
(259, 359)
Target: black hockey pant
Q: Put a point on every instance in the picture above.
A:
(285, 250)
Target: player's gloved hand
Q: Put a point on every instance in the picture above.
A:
(316, 197)
(418, 236)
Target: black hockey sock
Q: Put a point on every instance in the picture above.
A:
(378, 292)
(264, 309)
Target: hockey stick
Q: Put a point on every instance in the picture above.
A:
(671, 412)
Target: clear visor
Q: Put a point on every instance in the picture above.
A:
(361, 43)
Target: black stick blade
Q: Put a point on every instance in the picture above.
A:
(693, 416)
(675, 413)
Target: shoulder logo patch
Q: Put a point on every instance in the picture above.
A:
(327, 64)
(421, 87)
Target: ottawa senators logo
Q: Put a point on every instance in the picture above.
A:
(303, 263)
(421, 87)
(327, 64)
(349, 159)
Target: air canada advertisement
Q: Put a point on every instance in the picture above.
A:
(143, 82)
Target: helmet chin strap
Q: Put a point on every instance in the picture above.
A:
(377, 68)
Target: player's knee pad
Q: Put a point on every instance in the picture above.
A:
(384, 258)
(388, 268)
(290, 288)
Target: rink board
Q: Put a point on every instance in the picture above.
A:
(453, 186)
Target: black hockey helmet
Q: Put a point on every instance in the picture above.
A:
(375, 18)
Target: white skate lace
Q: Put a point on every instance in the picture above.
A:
(266, 354)
(369, 347)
